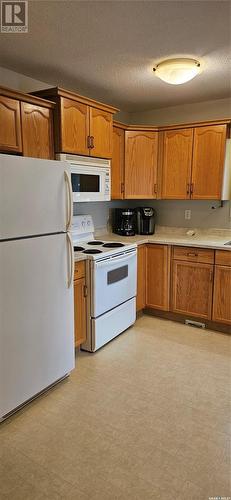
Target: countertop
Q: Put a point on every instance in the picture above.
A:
(211, 238)
(215, 238)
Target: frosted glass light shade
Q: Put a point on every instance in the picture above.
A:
(177, 71)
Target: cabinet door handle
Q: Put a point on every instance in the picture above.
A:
(122, 187)
(192, 188)
(190, 254)
(155, 188)
(188, 188)
(85, 291)
(211, 275)
(88, 142)
(92, 142)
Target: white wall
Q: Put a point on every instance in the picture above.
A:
(208, 110)
(204, 214)
(20, 82)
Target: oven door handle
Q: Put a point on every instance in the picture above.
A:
(114, 260)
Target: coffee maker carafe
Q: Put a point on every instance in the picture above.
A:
(124, 221)
(145, 220)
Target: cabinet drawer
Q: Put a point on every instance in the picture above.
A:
(79, 270)
(223, 257)
(193, 254)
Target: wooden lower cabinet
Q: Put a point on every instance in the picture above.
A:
(192, 287)
(141, 277)
(158, 276)
(222, 294)
(80, 308)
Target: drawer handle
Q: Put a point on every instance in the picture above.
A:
(190, 254)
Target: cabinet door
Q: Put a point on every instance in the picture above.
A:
(176, 166)
(158, 276)
(80, 311)
(37, 131)
(117, 167)
(222, 295)
(141, 277)
(208, 162)
(10, 125)
(101, 133)
(74, 126)
(141, 164)
(192, 288)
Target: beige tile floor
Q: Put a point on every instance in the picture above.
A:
(146, 417)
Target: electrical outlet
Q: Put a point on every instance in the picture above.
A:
(187, 214)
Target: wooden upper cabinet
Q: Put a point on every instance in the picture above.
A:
(74, 126)
(176, 164)
(117, 166)
(222, 295)
(10, 125)
(208, 161)
(100, 133)
(141, 148)
(82, 125)
(37, 131)
(141, 277)
(192, 285)
(158, 276)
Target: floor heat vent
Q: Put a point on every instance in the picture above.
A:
(196, 324)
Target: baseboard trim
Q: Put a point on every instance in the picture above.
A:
(180, 318)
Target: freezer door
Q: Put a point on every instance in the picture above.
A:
(35, 197)
(36, 317)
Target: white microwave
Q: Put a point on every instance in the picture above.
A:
(90, 177)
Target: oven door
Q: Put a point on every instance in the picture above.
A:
(90, 183)
(113, 282)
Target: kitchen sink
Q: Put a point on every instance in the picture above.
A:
(228, 243)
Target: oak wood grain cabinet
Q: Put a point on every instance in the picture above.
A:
(208, 162)
(37, 131)
(80, 303)
(26, 124)
(141, 150)
(74, 125)
(192, 282)
(158, 276)
(117, 166)
(176, 163)
(141, 277)
(222, 287)
(82, 125)
(10, 125)
(101, 131)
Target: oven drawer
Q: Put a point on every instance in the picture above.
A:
(113, 282)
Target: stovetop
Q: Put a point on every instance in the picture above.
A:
(96, 248)
(85, 243)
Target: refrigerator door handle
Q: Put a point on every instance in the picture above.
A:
(70, 261)
(69, 200)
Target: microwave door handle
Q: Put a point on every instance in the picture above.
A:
(69, 200)
(115, 260)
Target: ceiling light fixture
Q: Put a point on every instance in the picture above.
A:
(177, 71)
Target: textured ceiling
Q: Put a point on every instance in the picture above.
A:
(107, 49)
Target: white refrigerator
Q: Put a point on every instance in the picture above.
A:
(36, 278)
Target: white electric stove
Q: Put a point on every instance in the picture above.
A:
(111, 276)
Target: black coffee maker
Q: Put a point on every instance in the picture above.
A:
(145, 220)
(124, 221)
